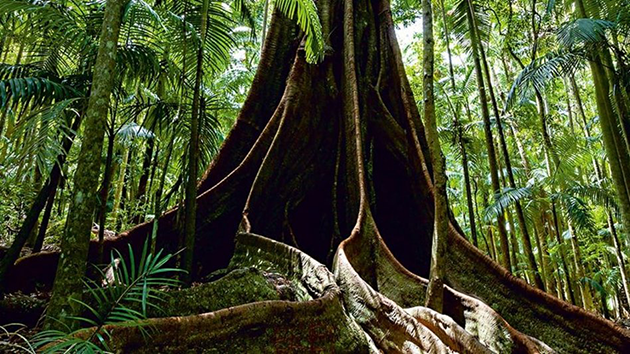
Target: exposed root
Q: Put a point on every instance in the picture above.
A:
(317, 324)
(321, 152)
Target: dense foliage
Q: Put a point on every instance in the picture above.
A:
(552, 211)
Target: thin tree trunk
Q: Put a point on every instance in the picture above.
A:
(144, 177)
(38, 204)
(41, 235)
(485, 240)
(492, 160)
(543, 257)
(75, 241)
(619, 255)
(158, 193)
(563, 256)
(435, 290)
(554, 267)
(264, 25)
(513, 243)
(190, 202)
(459, 131)
(119, 187)
(569, 108)
(104, 193)
(587, 130)
(585, 292)
(37, 183)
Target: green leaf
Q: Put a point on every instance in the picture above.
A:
(305, 11)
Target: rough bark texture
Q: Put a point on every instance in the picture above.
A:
(333, 156)
(76, 238)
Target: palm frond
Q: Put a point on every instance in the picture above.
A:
(128, 284)
(63, 24)
(507, 197)
(600, 194)
(36, 90)
(584, 31)
(578, 212)
(538, 74)
(48, 125)
(305, 14)
(133, 130)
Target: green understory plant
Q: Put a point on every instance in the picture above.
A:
(129, 286)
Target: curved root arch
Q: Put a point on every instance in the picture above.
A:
(350, 317)
(322, 153)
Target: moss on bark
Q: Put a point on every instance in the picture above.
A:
(241, 286)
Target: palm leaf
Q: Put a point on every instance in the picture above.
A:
(305, 14)
(584, 31)
(503, 200)
(540, 72)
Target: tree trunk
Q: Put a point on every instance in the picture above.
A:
(44, 195)
(485, 113)
(619, 255)
(101, 216)
(37, 184)
(610, 134)
(527, 244)
(41, 235)
(270, 174)
(190, 202)
(122, 171)
(435, 290)
(563, 257)
(76, 238)
(587, 131)
(585, 291)
(144, 177)
(158, 194)
(460, 133)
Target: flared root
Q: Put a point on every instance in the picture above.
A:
(328, 162)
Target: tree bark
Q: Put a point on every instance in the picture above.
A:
(435, 290)
(76, 238)
(268, 179)
(485, 113)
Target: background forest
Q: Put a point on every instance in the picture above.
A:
(537, 178)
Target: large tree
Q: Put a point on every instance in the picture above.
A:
(332, 159)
